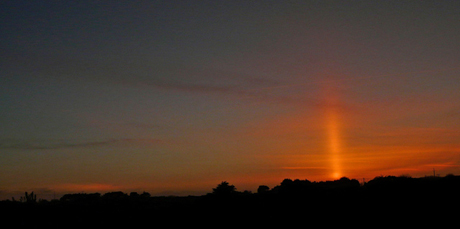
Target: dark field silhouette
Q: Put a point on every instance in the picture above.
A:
(383, 198)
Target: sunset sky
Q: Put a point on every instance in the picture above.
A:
(173, 97)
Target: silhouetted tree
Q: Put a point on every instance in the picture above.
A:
(115, 195)
(32, 198)
(224, 189)
(263, 189)
(297, 186)
(286, 182)
(134, 195)
(247, 192)
(145, 195)
(81, 197)
(345, 182)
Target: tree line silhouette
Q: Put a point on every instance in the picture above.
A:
(339, 198)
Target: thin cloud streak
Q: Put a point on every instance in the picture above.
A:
(193, 80)
(197, 88)
(238, 91)
(46, 145)
(305, 168)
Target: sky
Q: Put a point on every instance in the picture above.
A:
(173, 97)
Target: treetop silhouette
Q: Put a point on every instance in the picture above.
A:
(224, 189)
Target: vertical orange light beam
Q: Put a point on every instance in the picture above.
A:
(333, 130)
(334, 142)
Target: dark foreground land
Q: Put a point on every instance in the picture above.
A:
(341, 202)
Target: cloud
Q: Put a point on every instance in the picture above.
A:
(163, 75)
(168, 76)
(305, 168)
(188, 87)
(252, 89)
(47, 144)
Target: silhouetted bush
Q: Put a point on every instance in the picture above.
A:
(115, 195)
(145, 195)
(224, 189)
(134, 195)
(263, 189)
(81, 197)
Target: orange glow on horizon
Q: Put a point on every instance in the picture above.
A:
(89, 187)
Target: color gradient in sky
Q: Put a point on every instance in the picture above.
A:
(173, 97)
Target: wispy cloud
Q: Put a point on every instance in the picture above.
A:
(189, 87)
(165, 76)
(305, 168)
(252, 89)
(59, 144)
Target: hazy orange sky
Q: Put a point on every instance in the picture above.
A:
(173, 97)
